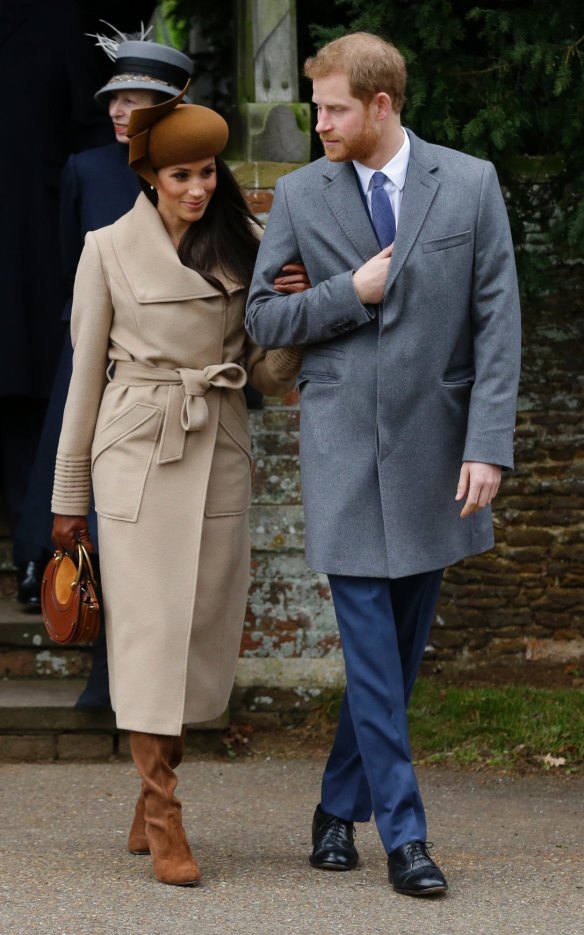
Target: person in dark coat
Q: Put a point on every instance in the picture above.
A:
(49, 70)
(97, 188)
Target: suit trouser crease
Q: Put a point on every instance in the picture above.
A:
(384, 626)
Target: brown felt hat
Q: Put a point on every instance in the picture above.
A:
(172, 133)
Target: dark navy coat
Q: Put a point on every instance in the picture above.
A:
(48, 77)
(97, 188)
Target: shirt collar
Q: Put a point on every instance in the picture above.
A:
(396, 169)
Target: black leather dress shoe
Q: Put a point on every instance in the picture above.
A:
(29, 576)
(413, 872)
(332, 838)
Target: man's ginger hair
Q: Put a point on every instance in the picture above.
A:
(370, 63)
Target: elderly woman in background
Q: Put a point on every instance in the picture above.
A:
(156, 423)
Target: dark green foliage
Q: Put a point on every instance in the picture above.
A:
(503, 81)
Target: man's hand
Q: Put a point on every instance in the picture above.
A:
(295, 279)
(370, 279)
(479, 483)
(68, 531)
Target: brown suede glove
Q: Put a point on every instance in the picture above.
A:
(68, 531)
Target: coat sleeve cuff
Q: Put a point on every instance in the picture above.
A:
(72, 486)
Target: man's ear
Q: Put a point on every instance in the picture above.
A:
(382, 105)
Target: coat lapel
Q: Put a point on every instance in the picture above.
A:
(419, 193)
(150, 262)
(341, 191)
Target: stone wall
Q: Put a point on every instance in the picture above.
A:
(525, 598)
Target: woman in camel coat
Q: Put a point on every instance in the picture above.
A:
(156, 425)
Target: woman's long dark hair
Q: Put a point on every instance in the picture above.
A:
(224, 238)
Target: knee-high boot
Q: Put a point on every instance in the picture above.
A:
(137, 842)
(171, 855)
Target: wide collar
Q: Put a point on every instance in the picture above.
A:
(150, 262)
(342, 192)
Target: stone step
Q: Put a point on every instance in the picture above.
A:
(26, 650)
(38, 721)
(8, 583)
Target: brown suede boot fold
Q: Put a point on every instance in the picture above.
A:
(171, 855)
(137, 841)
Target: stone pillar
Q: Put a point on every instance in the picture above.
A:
(270, 124)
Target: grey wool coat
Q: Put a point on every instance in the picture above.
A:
(156, 425)
(394, 397)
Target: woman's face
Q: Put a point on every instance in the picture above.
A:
(184, 192)
(121, 105)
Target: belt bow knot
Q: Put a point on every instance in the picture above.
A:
(194, 414)
(186, 406)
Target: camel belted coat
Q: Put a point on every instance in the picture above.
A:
(156, 426)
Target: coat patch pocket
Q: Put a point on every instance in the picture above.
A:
(121, 457)
(323, 366)
(229, 489)
(459, 376)
(445, 243)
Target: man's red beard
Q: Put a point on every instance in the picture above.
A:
(358, 148)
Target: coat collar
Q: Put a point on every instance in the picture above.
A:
(343, 196)
(150, 262)
(419, 193)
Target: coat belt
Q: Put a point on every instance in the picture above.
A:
(186, 406)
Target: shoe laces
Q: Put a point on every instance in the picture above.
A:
(418, 852)
(337, 829)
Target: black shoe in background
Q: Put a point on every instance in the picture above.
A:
(29, 576)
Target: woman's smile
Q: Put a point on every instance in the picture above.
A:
(184, 193)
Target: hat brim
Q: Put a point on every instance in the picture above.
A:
(102, 96)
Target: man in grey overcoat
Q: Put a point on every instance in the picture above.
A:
(408, 390)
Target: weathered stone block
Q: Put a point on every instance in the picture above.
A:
(284, 420)
(276, 445)
(506, 647)
(85, 746)
(275, 132)
(276, 528)
(17, 663)
(252, 174)
(259, 201)
(276, 481)
(554, 650)
(18, 748)
(530, 536)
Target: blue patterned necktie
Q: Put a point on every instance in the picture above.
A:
(381, 211)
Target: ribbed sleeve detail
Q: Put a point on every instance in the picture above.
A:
(285, 362)
(72, 486)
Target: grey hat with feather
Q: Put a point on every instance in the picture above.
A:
(141, 64)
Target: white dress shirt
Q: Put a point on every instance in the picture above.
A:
(395, 171)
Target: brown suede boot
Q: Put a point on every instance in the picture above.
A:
(171, 855)
(137, 841)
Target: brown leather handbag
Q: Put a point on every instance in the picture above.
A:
(69, 600)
